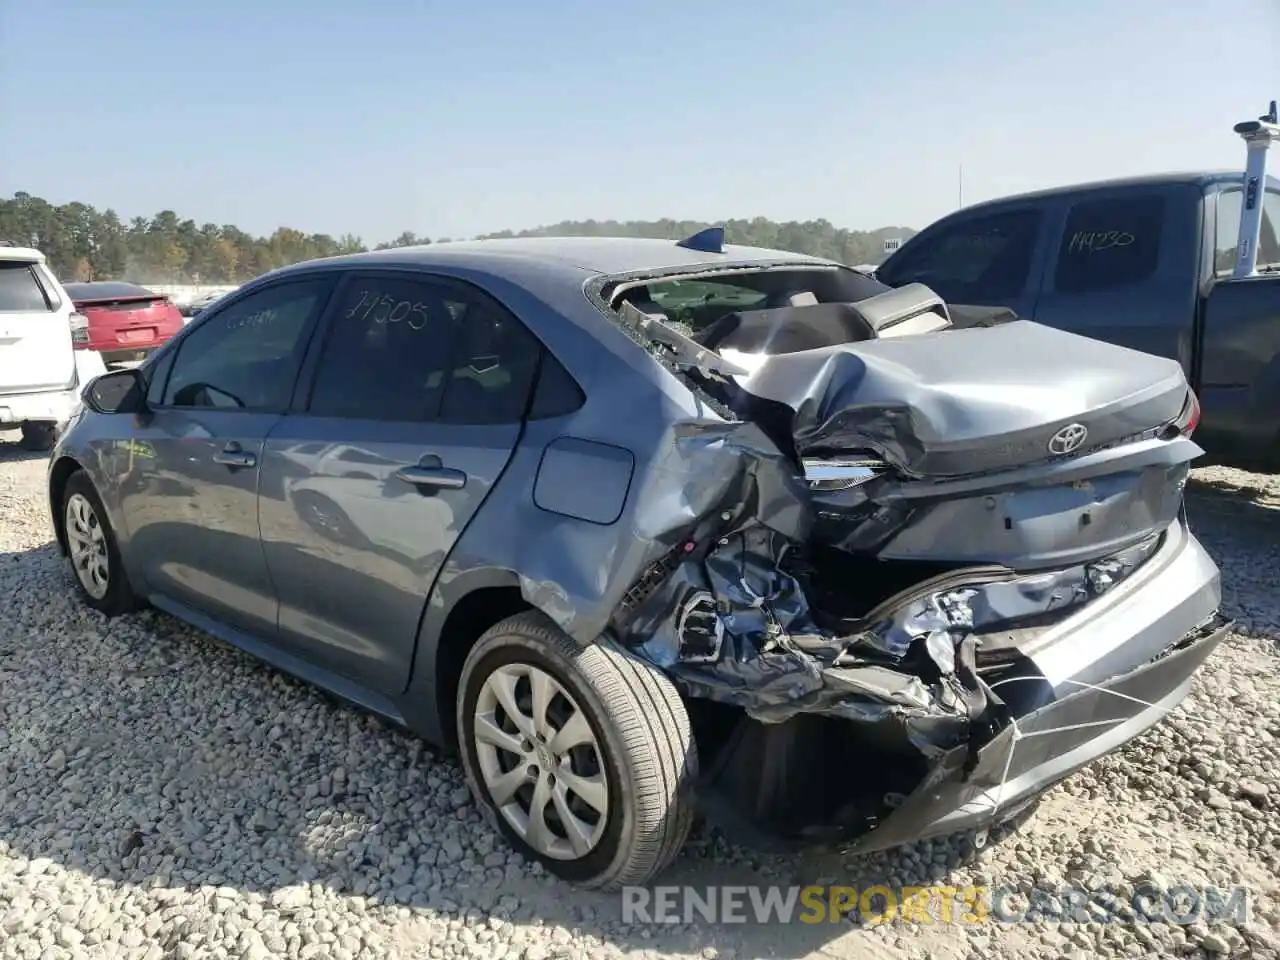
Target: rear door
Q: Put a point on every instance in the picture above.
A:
(412, 406)
(984, 257)
(1126, 267)
(1239, 380)
(35, 334)
(191, 509)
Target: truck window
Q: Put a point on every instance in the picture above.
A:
(977, 260)
(1109, 243)
(1228, 229)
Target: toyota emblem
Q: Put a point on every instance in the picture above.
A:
(1068, 438)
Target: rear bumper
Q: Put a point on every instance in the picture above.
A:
(1085, 688)
(52, 406)
(1071, 693)
(1046, 746)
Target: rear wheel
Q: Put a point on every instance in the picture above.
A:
(583, 757)
(38, 436)
(92, 550)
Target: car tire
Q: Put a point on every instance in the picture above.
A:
(39, 436)
(633, 753)
(92, 551)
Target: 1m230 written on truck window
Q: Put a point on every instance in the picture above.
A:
(1109, 243)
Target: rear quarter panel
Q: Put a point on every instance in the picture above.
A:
(573, 569)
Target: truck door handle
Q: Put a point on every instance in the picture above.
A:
(233, 456)
(431, 474)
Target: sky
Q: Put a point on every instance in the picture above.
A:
(454, 118)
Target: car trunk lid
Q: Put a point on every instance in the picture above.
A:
(125, 321)
(1015, 444)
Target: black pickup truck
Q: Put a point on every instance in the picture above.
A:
(1145, 263)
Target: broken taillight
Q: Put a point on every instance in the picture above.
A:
(1187, 420)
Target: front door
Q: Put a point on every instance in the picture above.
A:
(190, 501)
(414, 410)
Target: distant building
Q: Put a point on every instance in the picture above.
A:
(891, 244)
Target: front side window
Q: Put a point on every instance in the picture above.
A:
(1110, 243)
(1230, 204)
(246, 355)
(973, 261)
(20, 291)
(411, 349)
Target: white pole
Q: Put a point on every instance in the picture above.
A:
(1258, 136)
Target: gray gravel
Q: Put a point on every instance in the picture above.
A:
(162, 795)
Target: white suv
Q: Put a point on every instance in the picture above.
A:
(41, 373)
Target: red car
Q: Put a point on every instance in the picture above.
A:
(126, 322)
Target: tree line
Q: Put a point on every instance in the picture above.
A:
(83, 243)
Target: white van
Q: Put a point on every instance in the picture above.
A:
(41, 375)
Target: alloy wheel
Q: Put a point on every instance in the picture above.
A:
(541, 762)
(87, 545)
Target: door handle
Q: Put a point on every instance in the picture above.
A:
(430, 476)
(233, 456)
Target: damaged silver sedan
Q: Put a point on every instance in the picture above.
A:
(643, 528)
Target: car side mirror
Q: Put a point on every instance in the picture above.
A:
(121, 391)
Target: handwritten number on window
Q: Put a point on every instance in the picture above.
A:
(384, 308)
(259, 318)
(1095, 241)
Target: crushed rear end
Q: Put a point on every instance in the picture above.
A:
(925, 563)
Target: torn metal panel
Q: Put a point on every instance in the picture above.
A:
(730, 623)
(975, 600)
(702, 478)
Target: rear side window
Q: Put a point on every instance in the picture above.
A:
(1230, 203)
(20, 291)
(1110, 243)
(413, 350)
(974, 261)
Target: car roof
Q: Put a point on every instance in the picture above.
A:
(23, 254)
(597, 255)
(1199, 178)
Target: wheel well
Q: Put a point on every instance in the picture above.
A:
(58, 477)
(467, 621)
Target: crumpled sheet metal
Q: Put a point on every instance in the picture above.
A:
(760, 647)
(933, 411)
(937, 615)
(772, 660)
(699, 471)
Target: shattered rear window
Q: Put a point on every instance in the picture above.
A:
(698, 303)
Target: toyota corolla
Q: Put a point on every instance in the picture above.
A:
(640, 527)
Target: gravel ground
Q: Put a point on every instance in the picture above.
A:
(162, 795)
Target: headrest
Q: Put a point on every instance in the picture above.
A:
(794, 298)
(788, 329)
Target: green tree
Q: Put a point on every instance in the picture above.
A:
(79, 240)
